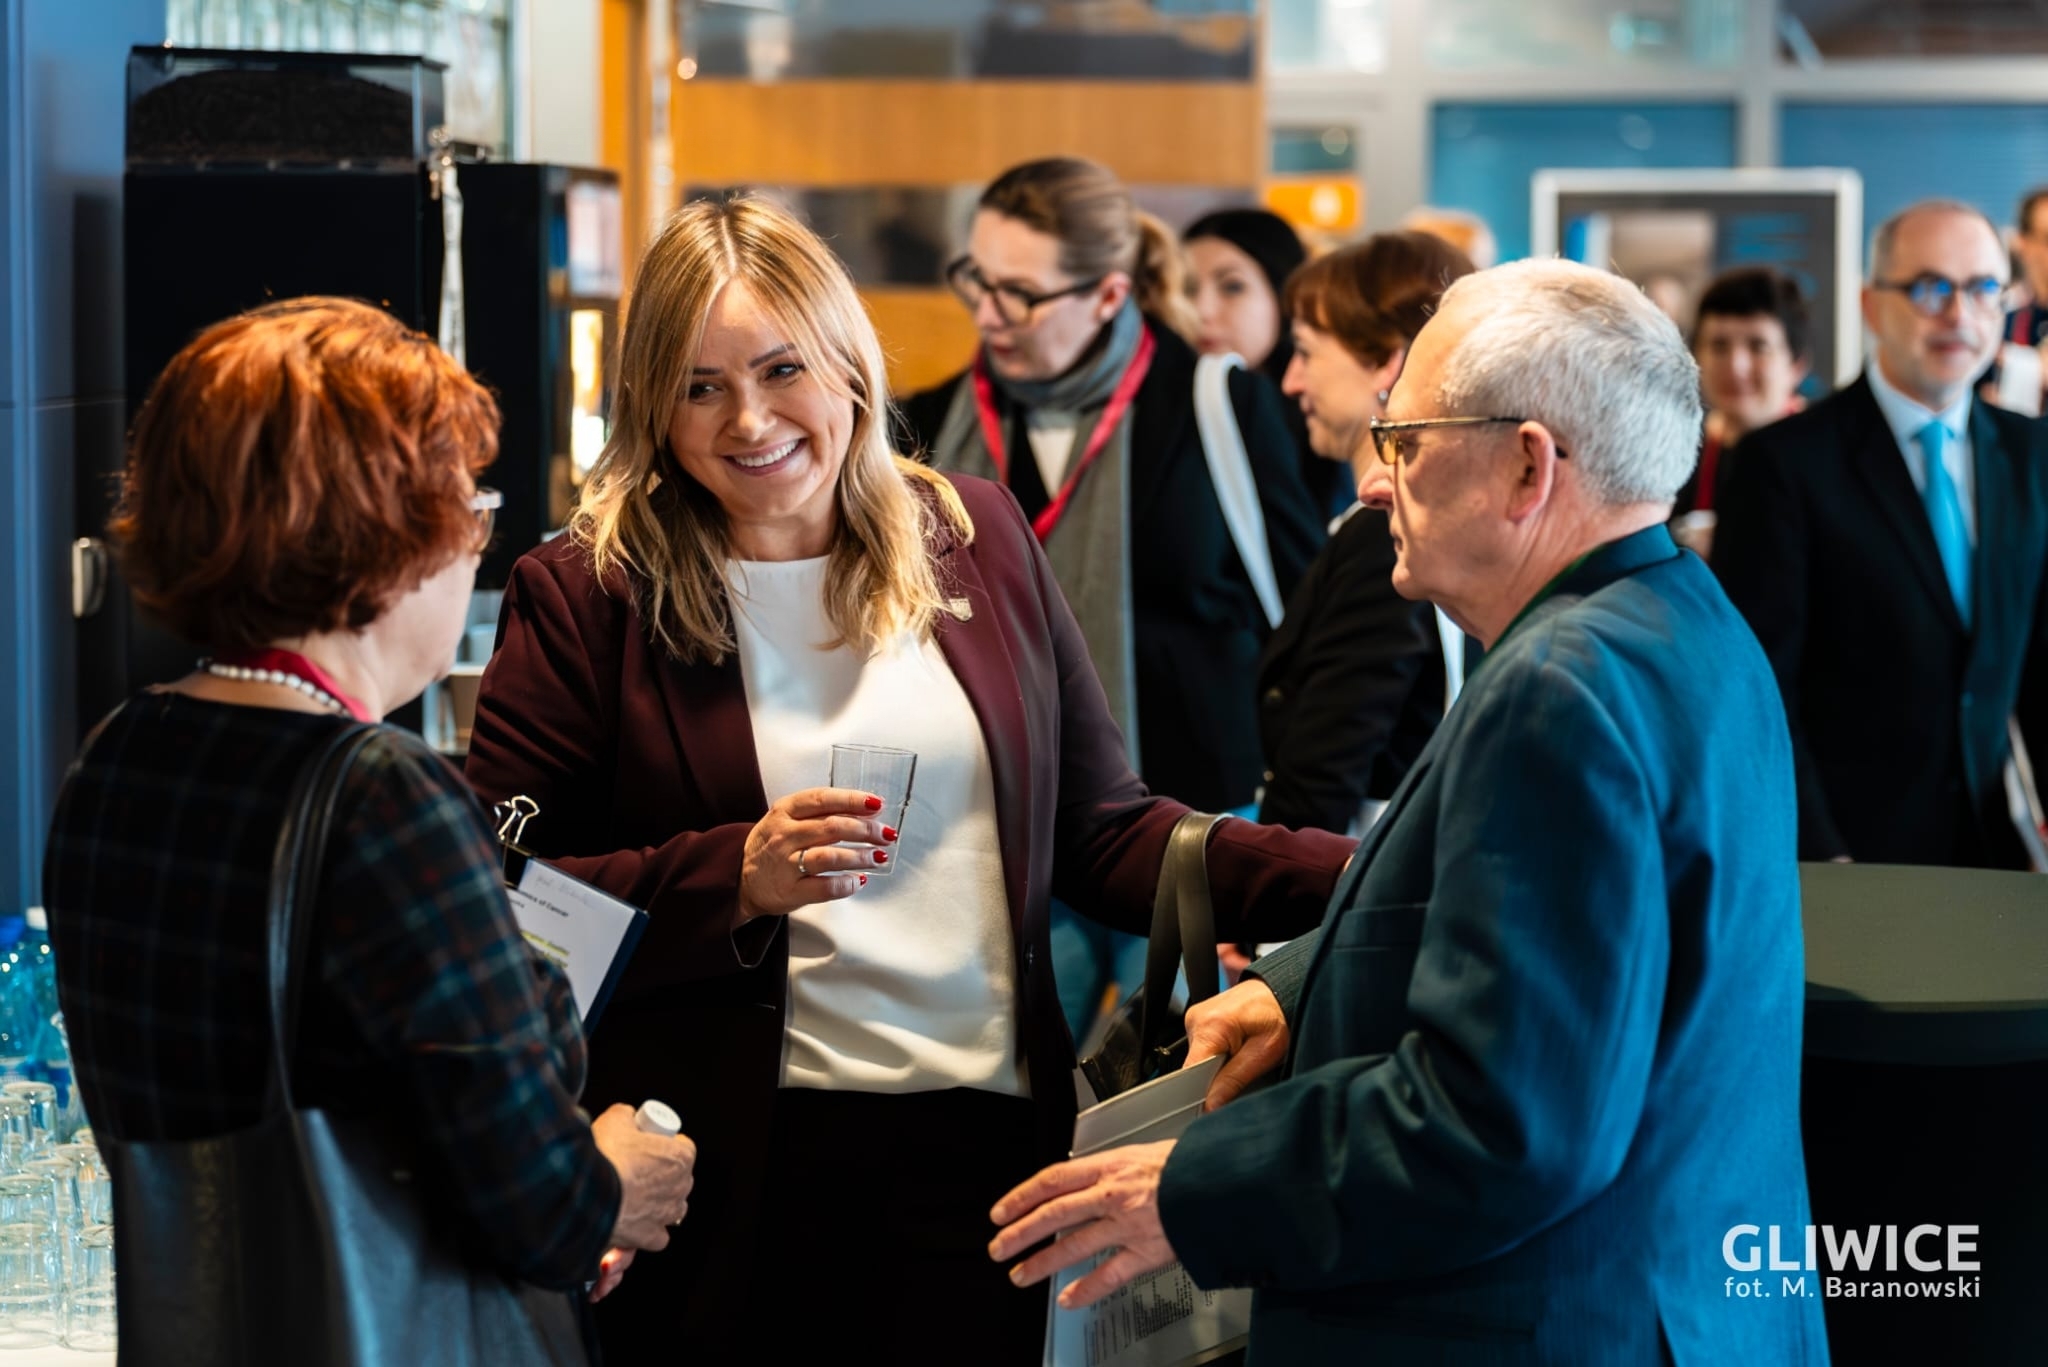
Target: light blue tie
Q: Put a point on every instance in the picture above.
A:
(1945, 514)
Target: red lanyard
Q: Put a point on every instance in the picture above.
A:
(1710, 462)
(290, 662)
(1120, 400)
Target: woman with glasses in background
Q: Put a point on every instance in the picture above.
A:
(300, 504)
(1081, 401)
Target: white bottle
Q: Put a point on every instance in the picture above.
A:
(655, 1117)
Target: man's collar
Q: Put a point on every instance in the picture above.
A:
(1907, 416)
(1595, 570)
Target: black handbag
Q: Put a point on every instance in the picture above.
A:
(304, 1239)
(1143, 1037)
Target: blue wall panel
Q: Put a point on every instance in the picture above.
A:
(1983, 154)
(1482, 156)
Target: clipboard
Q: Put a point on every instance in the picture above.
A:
(580, 928)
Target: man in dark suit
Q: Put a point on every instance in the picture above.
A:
(1542, 1058)
(1889, 547)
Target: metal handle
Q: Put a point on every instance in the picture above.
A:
(90, 568)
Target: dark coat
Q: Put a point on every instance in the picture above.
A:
(1351, 687)
(1545, 1048)
(1197, 627)
(1898, 713)
(644, 769)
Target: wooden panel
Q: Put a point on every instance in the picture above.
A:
(623, 115)
(926, 335)
(865, 132)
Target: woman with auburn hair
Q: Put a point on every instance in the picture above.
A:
(1353, 684)
(300, 503)
(1082, 401)
(752, 577)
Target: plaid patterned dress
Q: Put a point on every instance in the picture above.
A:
(422, 1001)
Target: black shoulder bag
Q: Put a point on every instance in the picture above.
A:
(1143, 1037)
(305, 1238)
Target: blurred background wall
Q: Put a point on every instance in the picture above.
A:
(880, 119)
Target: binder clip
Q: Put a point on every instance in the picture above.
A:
(513, 814)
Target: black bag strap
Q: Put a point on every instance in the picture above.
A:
(1183, 935)
(294, 888)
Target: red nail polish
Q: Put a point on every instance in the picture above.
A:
(881, 856)
(874, 804)
(863, 880)
(888, 832)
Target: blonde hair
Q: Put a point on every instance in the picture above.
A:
(1100, 230)
(642, 513)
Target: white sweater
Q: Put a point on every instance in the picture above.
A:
(910, 984)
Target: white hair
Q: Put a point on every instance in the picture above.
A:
(1587, 355)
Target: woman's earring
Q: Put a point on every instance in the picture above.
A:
(1386, 394)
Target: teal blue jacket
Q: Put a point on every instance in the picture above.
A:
(1546, 1043)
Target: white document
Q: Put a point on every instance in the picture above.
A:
(1163, 1318)
(2019, 379)
(587, 931)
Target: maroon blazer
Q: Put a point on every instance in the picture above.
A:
(646, 776)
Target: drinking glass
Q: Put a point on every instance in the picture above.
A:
(886, 772)
(94, 1192)
(88, 1320)
(17, 1133)
(42, 1113)
(30, 1283)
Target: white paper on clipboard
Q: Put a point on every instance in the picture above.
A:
(587, 932)
(1162, 1319)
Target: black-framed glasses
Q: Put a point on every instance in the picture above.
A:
(1929, 293)
(483, 506)
(1386, 436)
(1013, 304)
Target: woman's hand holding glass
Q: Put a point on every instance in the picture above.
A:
(794, 857)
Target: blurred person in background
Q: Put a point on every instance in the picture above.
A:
(1352, 685)
(752, 576)
(1080, 401)
(1889, 547)
(300, 503)
(1238, 264)
(2026, 325)
(1752, 339)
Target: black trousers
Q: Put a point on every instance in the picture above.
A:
(870, 1245)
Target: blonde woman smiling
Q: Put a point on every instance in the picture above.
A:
(754, 575)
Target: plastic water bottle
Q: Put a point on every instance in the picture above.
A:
(40, 960)
(19, 1024)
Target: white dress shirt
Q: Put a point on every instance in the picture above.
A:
(1908, 418)
(909, 985)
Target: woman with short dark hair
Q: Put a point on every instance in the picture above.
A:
(300, 503)
(1352, 685)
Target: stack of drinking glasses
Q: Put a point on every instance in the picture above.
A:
(56, 1228)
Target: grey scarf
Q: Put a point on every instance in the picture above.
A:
(1089, 548)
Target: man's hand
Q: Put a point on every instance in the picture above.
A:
(1247, 1027)
(1109, 1200)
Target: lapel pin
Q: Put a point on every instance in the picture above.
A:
(961, 608)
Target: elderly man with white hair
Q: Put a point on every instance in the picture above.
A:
(1538, 1073)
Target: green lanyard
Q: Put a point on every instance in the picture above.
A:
(1531, 606)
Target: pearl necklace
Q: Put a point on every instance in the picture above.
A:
(275, 676)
